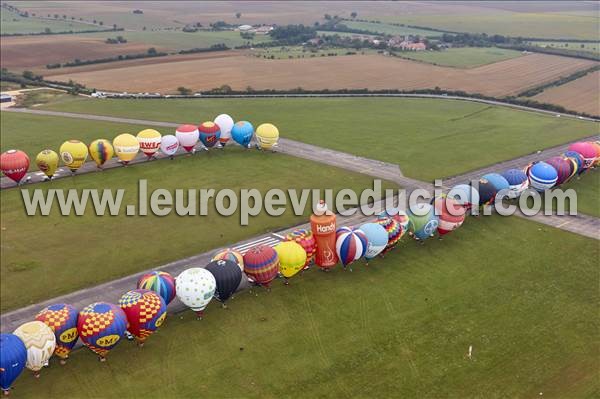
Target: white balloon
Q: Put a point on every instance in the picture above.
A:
(195, 287)
(169, 144)
(225, 123)
(40, 342)
(188, 136)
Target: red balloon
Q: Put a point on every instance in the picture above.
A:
(14, 164)
(563, 166)
(451, 214)
(261, 264)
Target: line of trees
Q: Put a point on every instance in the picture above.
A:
(559, 82)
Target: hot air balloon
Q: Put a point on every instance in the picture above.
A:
(393, 229)
(451, 215)
(13, 357)
(261, 264)
(465, 195)
(195, 288)
(323, 227)
(40, 343)
(101, 150)
(242, 132)
(209, 134)
(187, 135)
(350, 244)
(499, 182)
(487, 192)
(292, 258)
(596, 145)
(126, 147)
(47, 162)
(14, 164)
(228, 277)
(225, 123)
(517, 182)
(305, 238)
(145, 311)
(563, 167)
(267, 136)
(73, 153)
(101, 326)
(377, 238)
(160, 282)
(62, 319)
(587, 151)
(424, 221)
(149, 140)
(400, 217)
(232, 255)
(169, 145)
(577, 161)
(542, 176)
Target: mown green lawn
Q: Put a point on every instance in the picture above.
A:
(523, 295)
(587, 187)
(589, 47)
(389, 29)
(428, 138)
(462, 57)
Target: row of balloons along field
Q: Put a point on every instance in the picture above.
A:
(140, 312)
(74, 153)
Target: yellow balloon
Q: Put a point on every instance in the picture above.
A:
(267, 136)
(47, 162)
(101, 150)
(126, 147)
(292, 258)
(149, 140)
(73, 153)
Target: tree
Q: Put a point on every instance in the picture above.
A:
(64, 16)
(95, 21)
(47, 31)
(55, 16)
(238, 15)
(353, 14)
(101, 23)
(328, 17)
(115, 26)
(184, 91)
(152, 51)
(28, 75)
(225, 89)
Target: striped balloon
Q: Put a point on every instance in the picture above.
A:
(564, 168)
(350, 244)
(160, 282)
(517, 182)
(393, 229)
(542, 176)
(261, 264)
(577, 160)
(305, 238)
(101, 326)
(62, 319)
(101, 150)
(231, 255)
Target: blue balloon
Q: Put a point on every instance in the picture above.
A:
(465, 195)
(242, 133)
(514, 177)
(497, 180)
(377, 238)
(13, 356)
(542, 176)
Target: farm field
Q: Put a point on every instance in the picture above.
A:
(300, 52)
(11, 23)
(462, 57)
(388, 29)
(407, 322)
(581, 95)
(590, 47)
(374, 72)
(428, 138)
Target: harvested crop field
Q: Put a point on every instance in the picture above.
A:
(34, 52)
(581, 95)
(357, 71)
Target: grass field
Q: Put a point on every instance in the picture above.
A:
(588, 192)
(427, 138)
(301, 52)
(13, 23)
(399, 328)
(463, 57)
(388, 29)
(590, 47)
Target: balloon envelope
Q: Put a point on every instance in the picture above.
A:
(101, 150)
(40, 342)
(267, 136)
(14, 164)
(451, 215)
(126, 147)
(101, 326)
(563, 167)
(377, 239)
(73, 153)
(261, 264)
(487, 191)
(350, 244)
(160, 282)
(62, 319)
(305, 238)
(149, 140)
(47, 162)
(499, 182)
(517, 182)
(228, 277)
(542, 176)
(423, 220)
(209, 134)
(587, 151)
(464, 195)
(145, 311)
(393, 229)
(232, 255)
(292, 258)
(169, 145)
(577, 160)
(242, 132)
(225, 123)
(13, 357)
(195, 288)
(188, 136)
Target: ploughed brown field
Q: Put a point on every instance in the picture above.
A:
(581, 95)
(238, 70)
(34, 52)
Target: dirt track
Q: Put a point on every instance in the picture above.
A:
(581, 95)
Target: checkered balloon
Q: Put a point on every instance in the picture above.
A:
(145, 311)
(101, 326)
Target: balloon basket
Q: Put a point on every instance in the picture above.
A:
(140, 344)
(6, 392)
(199, 315)
(101, 359)
(63, 362)
(224, 305)
(36, 374)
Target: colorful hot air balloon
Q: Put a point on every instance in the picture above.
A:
(145, 311)
(40, 342)
(487, 192)
(577, 160)
(101, 326)
(209, 134)
(261, 264)
(542, 176)
(62, 319)
(225, 123)
(451, 215)
(400, 217)
(13, 357)
(126, 147)
(292, 258)
(149, 140)
(232, 255)
(587, 151)
(323, 226)
(187, 135)
(596, 145)
(517, 182)
(242, 133)
(228, 277)
(393, 229)
(377, 238)
(160, 282)
(47, 162)
(14, 164)
(499, 182)
(101, 150)
(267, 136)
(424, 221)
(305, 238)
(350, 244)
(195, 288)
(465, 195)
(73, 153)
(563, 167)
(169, 145)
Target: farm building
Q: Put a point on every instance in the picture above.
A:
(5, 98)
